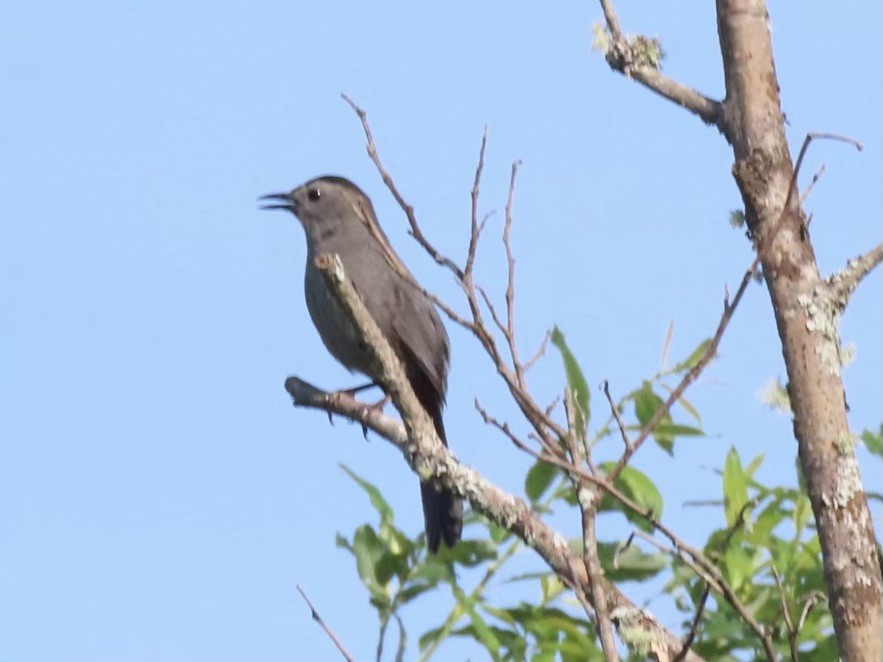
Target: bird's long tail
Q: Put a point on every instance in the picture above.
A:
(442, 510)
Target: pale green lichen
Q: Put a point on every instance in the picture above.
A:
(845, 444)
(775, 396)
(600, 38)
(822, 320)
(630, 628)
(849, 483)
(646, 51)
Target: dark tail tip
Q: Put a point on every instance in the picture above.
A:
(442, 516)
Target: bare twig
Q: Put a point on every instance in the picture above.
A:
(786, 614)
(716, 581)
(587, 498)
(611, 19)
(542, 423)
(503, 427)
(694, 627)
(614, 409)
(416, 232)
(324, 626)
(476, 226)
(510, 281)
(498, 321)
(813, 599)
(815, 178)
(540, 352)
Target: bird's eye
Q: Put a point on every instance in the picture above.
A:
(314, 194)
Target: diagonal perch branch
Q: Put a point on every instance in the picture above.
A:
(425, 454)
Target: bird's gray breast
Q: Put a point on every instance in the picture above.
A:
(334, 326)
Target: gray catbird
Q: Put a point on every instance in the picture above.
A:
(339, 218)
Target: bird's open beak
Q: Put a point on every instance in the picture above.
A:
(285, 198)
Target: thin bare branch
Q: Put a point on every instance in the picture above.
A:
(510, 280)
(614, 410)
(503, 427)
(324, 626)
(815, 178)
(611, 19)
(716, 581)
(492, 309)
(694, 627)
(540, 352)
(786, 614)
(542, 423)
(587, 498)
(475, 225)
(416, 232)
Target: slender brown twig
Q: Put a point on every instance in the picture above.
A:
(324, 626)
(700, 610)
(510, 280)
(614, 410)
(587, 498)
(786, 614)
(416, 232)
(476, 226)
(540, 352)
(815, 178)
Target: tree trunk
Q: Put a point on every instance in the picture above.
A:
(807, 316)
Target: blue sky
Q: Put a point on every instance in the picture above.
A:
(159, 496)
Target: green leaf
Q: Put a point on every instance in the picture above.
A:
(632, 564)
(754, 465)
(874, 441)
(468, 553)
(678, 430)
(646, 405)
(498, 533)
(368, 549)
(377, 500)
(480, 629)
(735, 487)
(693, 360)
(737, 566)
(413, 590)
(639, 488)
(538, 479)
(576, 382)
(429, 637)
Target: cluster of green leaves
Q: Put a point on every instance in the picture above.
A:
(768, 553)
(765, 548)
(396, 570)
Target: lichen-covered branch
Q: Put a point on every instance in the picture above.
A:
(807, 325)
(639, 58)
(844, 282)
(417, 440)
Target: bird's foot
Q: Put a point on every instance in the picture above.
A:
(377, 406)
(351, 392)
